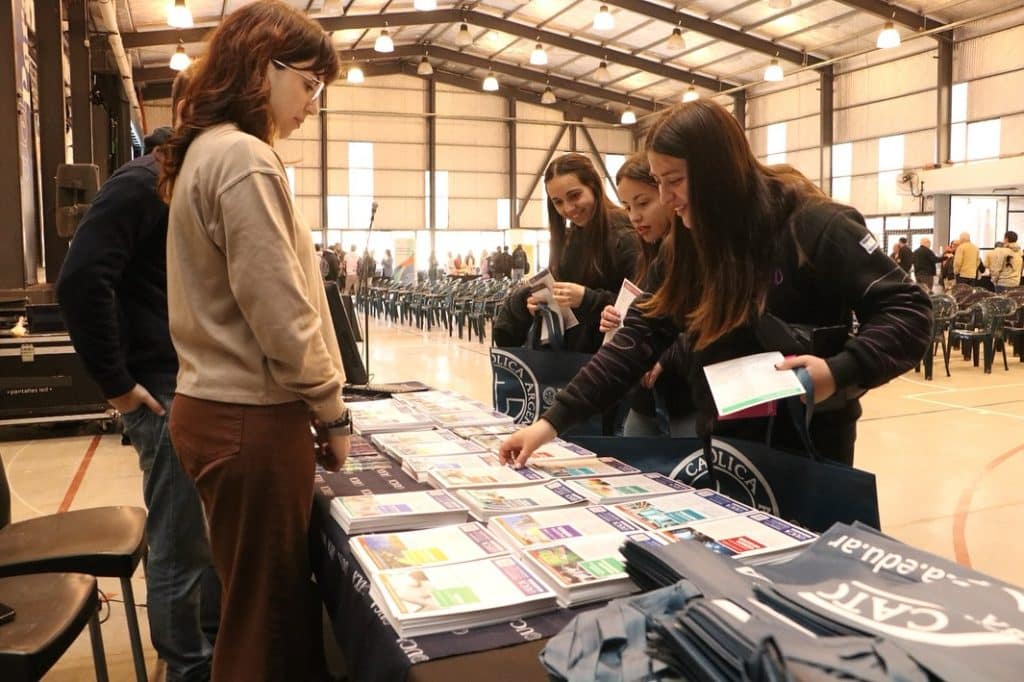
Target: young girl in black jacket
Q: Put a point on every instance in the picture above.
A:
(664, 385)
(760, 241)
(593, 248)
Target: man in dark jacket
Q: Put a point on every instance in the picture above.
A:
(925, 261)
(906, 256)
(520, 264)
(113, 295)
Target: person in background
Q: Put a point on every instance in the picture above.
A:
(485, 264)
(1005, 263)
(259, 364)
(925, 261)
(351, 263)
(905, 256)
(763, 249)
(663, 396)
(520, 263)
(946, 269)
(387, 265)
(967, 260)
(593, 248)
(112, 291)
(333, 265)
(469, 263)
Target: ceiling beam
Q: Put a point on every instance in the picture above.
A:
(716, 31)
(450, 16)
(528, 96)
(164, 74)
(899, 15)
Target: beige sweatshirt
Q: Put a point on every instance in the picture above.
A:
(248, 312)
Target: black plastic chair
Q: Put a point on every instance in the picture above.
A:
(986, 329)
(103, 541)
(944, 309)
(51, 610)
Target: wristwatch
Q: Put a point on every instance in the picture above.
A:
(342, 426)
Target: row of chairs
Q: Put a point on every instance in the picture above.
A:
(48, 570)
(978, 321)
(453, 303)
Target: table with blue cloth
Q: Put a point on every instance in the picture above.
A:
(372, 649)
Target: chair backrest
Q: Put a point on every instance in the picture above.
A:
(5, 497)
(999, 307)
(943, 307)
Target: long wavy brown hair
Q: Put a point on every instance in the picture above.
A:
(229, 83)
(719, 271)
(601, 222)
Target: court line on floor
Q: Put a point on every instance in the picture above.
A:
(14, 489)
(930, 397)
(76, 482)
(963, 507)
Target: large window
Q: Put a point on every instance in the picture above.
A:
(975, 140)
(776, 143)
(842, 170)
(890, 168)
(613, 162)
(360, 184)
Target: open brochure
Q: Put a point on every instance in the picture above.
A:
(583, 467)
(381, 416)
(612, 489)
(417, 467)
(484, 477)
(517, 531)
(742, 383)
(396, 511)
(428, 547)
(421, 601)
(586, 569)
(484, 503)
(672, 511)
(755, 537)
(627, 294)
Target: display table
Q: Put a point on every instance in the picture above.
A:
(372, 649)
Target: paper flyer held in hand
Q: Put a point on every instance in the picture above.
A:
(542, 287)
(627, 294)
(744, 382)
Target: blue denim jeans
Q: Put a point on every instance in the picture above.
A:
(179, 549)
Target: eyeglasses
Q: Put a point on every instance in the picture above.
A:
(314, 86)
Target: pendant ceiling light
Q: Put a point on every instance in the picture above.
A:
(463, 38)
(676, 41)
(889, 37)
(180, 60)
(628, 117)
(548, 97)
(179, 16)
(602, 74)
(773, 72)
(691, 94)
(384, 42)
(424, 68)
(603, 20)
(539, 57)
(490, 83)
(355, 75)
(424, 5)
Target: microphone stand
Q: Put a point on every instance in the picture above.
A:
(365, 291)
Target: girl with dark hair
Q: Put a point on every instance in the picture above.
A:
(593, 248)
(763, 253)
(653, 223)
(247, 308)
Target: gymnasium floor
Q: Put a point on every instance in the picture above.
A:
(946, 453)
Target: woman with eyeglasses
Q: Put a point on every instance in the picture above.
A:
(249, 319)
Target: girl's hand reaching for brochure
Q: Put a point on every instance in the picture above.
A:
(821, 376)
(568, 294)
(610, 319)
(518, 447)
